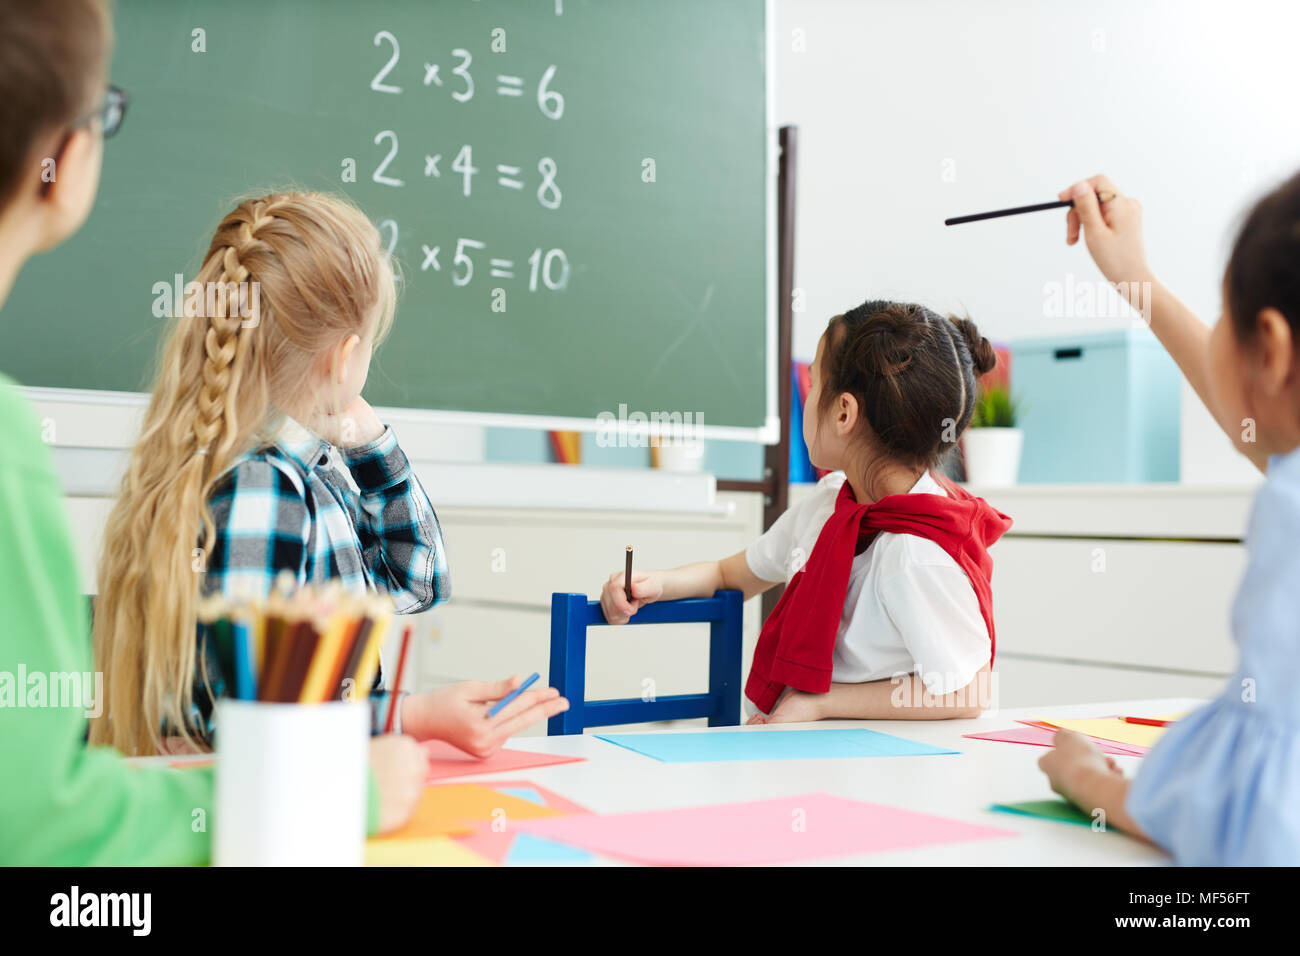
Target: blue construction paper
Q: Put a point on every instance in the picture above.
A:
(530, 849)
(523, 793)
(771, 745)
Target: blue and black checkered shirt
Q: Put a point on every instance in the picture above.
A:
(289, 506)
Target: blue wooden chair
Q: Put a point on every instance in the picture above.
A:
(572, 614)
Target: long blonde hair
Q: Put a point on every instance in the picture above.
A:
(223, 378)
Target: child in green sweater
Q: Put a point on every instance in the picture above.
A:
(66, 803)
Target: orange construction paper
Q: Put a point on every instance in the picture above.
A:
(496, 844)
(454, 808)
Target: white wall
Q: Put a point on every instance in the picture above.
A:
(1206, 453)
(1187, 104)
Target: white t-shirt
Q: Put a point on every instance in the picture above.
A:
(910, 608)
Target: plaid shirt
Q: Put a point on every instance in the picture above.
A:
(289, 506)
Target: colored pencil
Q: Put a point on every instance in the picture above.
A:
(369, 666)
(298, 646)
(302, 646)
(1147, 721)
(245, 669)
(496, 708)
(272, 646)
(354, 635)
(223, 646)
(360, 641)
(397, 681)
(333, 628)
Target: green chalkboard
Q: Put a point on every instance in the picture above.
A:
(617, 290)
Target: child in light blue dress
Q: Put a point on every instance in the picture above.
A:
(1222, 787)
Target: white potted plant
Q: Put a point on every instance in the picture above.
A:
(991, 445)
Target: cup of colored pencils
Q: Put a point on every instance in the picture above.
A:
(292, 730)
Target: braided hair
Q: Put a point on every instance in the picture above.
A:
(286, 279)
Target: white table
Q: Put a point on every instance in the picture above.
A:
(961, 786)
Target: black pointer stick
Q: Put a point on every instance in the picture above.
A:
(999, 213)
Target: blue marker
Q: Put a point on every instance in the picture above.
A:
(513, 694)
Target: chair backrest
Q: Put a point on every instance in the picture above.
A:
(572, 614)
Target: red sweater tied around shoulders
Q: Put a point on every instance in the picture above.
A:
(796, 646)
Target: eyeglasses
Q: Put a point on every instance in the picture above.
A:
(109, 115)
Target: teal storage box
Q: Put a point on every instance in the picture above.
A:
(1097, 407)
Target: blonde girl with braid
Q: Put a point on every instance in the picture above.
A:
(258, 458)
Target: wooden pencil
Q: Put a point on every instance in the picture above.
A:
(395, 690)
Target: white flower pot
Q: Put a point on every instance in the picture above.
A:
(681, 455)
(992, 455)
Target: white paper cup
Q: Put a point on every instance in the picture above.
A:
(290, 784)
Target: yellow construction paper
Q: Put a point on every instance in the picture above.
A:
(1112, 728)
(445, 808)
(433, 851)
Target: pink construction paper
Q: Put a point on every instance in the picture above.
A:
(1046, 737)
(496, 845)
(810, 826)
(448, 761)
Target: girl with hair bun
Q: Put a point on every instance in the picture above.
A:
(888, 609)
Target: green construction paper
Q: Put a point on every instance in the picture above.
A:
(1059, 810)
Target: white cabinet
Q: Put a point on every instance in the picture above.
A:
(1153, 604)
(1110, 592)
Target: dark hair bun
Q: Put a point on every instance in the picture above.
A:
(981, 351)
(913, 372)
(889, 343)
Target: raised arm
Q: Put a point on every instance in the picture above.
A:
(1113, 233)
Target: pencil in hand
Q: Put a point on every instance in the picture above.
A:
(496, 708)
(1018, 210)
(627, 575)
